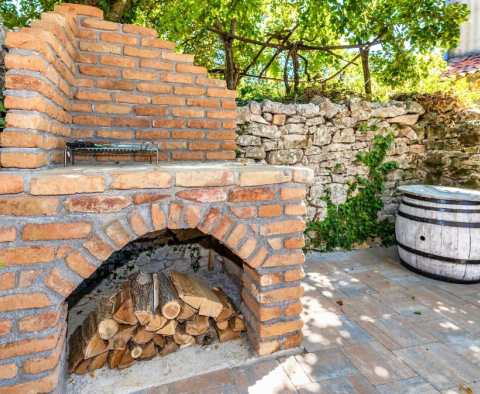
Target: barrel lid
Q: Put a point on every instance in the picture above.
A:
(442, 192)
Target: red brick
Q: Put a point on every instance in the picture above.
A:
(204, 146)
(89, 95)
(229, 105)
(186, 68)
(261, 312)
(5, 326)
(78, 263)
(97, 204)
(277, 295)
(131, 98)
(268, 279)
(159, 219)
(154, 88)
(81, 9)
(53, 231)
(187, 113)
(143, 198)
(118, 234)
(222, 93)
(136, 222)
(282, 227)
(204, 178)
(46, 384)
(81, 107)
(211, 82)
(266, 211)
(7, 234)
(203, 124)
(188, 135)
(176, 78)
(11, 184)
(209, 220)
(98, 72)
(137, 52)
(23, 160)
(118, 62)
(23, 301)
(140, 180)
(92, 121)
(156, 43)
(199, 102)
(98, 248)
(295, 209)
(67, 185)
(118, 39)
(8, 371)
(28, 278)
(280, 260)
(223, 227)
(244, 212)
(27, 255)
(100, 47)
(222, 135)
(140, 30)
(41, 322)
(236, 236)
(30, 63)
(258, 194)
(188, 156)
(112, 109)
(294, 308)
(257, 260)
(188, 91)
(293, 275)
(151, 111)
(7, 281)
(58, 283)
(178, 57)
(63, 250)
(192, 215)
(168, 100)
(169, 123)
(293, 341)
(203, 195)
(221, 114)
(295, 243)
(139, 75)
(229, 125)
(128, 122)
(175, 215)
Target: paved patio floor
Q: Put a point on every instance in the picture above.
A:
(371, 326)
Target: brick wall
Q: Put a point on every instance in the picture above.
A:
(72, 75)
(57, 227)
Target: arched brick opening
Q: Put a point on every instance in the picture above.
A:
(58, 227)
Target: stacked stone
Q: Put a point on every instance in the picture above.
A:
(321, 134)
(58, 227)
(3, 52)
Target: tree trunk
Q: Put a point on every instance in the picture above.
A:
(231, 73)
(118, 10)
(364, 53)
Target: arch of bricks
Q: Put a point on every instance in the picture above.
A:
(58, 226)
(74, 75)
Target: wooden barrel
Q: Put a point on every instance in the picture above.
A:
(438, 232)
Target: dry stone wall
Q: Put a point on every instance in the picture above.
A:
(440, 148)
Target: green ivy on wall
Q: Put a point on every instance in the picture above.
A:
(3, 110)
(356, 220)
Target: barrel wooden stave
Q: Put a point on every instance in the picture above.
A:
(442, 241)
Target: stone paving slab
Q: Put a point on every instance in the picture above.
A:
(371, 326)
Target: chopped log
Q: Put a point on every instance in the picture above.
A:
(168, 329)
(208, 337)
(107, 327)
(159, 340)
(135, 350)
(148, 351)
(121, 338)
(237, 324)
(227, 310)
(197, 326)
(143, 296)
(222, 325)
(170, 347)
(115, 357)
(98, 362)
(123, 312)
(141, 336)
(167, 298)
(196, 294)
(186, 312)
(191, 342)
(155, 323)
(227, 334)
(81, 368)
(181, 337)
(76, 349)
(126, 360)
(94, 345)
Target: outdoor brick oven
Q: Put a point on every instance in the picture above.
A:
(73, 75)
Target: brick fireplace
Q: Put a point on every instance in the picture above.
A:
(73, 75)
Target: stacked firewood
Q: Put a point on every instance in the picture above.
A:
(152, 314)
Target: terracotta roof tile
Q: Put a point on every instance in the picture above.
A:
(461, 66)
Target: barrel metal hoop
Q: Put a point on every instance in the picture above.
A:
(441, 201)
(436, 209)
(436, 257)
(438, 221)
(437, 277)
